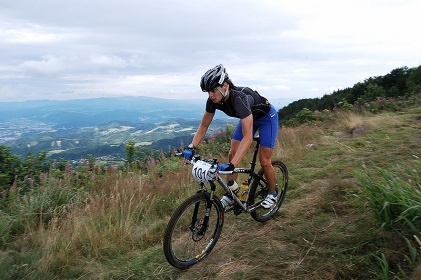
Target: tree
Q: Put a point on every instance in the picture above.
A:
(9, 166)
(131, 152)
(414, 81)
(373, 92)
(395, 82)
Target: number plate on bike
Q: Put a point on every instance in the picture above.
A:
(203, 171)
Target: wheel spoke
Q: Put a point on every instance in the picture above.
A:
(187, 239)
(259, 190)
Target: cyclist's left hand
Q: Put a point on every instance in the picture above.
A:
(188, 153)
(226, 167)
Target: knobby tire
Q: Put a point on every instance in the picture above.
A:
(184, 242)
(259, 190)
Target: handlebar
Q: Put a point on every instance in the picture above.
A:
(196, 158)
(206, 165)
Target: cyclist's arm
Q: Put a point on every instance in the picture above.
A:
(203, 127)
(247, 127)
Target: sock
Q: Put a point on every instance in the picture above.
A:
(273, 193)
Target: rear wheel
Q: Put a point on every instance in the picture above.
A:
(259, 190)
(188, 238)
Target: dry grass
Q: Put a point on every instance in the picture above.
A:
(103, 226)
(123, 213)
(348, 121)
(293, 142)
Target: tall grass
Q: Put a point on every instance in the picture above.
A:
(395, 196)
(54, 197)
(62, 225)
(125, 212)
(26, 216)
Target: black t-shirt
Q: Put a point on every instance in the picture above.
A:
(242, 102)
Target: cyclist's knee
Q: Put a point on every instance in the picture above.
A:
(265, 157)
(266, 163)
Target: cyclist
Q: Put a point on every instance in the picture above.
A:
(254, 112)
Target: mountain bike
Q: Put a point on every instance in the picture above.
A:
(196, 225)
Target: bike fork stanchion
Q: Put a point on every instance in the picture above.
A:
(194, 216)
(205, 224)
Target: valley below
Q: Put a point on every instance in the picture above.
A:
(75, 129)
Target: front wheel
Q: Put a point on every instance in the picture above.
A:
(259, 190)
(193, 230)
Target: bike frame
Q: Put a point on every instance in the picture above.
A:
(244, 205)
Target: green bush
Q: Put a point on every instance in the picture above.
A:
(305, 116)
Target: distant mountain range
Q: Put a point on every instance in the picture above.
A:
(101, 127)
(91, 112)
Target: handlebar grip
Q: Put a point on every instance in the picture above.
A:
(226, 172)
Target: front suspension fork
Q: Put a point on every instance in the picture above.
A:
(205, 224)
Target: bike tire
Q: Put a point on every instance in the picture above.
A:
(183, 245)
(259, 190)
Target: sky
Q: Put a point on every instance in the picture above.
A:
(285, 49)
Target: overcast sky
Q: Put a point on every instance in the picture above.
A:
(61, 49)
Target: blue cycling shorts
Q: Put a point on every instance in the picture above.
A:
(267, 126)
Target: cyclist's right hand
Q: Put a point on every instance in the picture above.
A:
(188, 153)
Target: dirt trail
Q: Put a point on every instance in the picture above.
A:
(251, 250)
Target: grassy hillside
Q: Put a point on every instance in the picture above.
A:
(89, 224)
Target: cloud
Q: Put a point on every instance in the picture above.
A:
(25, 36)
(62, 65)
(292, 49)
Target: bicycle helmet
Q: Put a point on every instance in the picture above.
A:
(213, 78)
